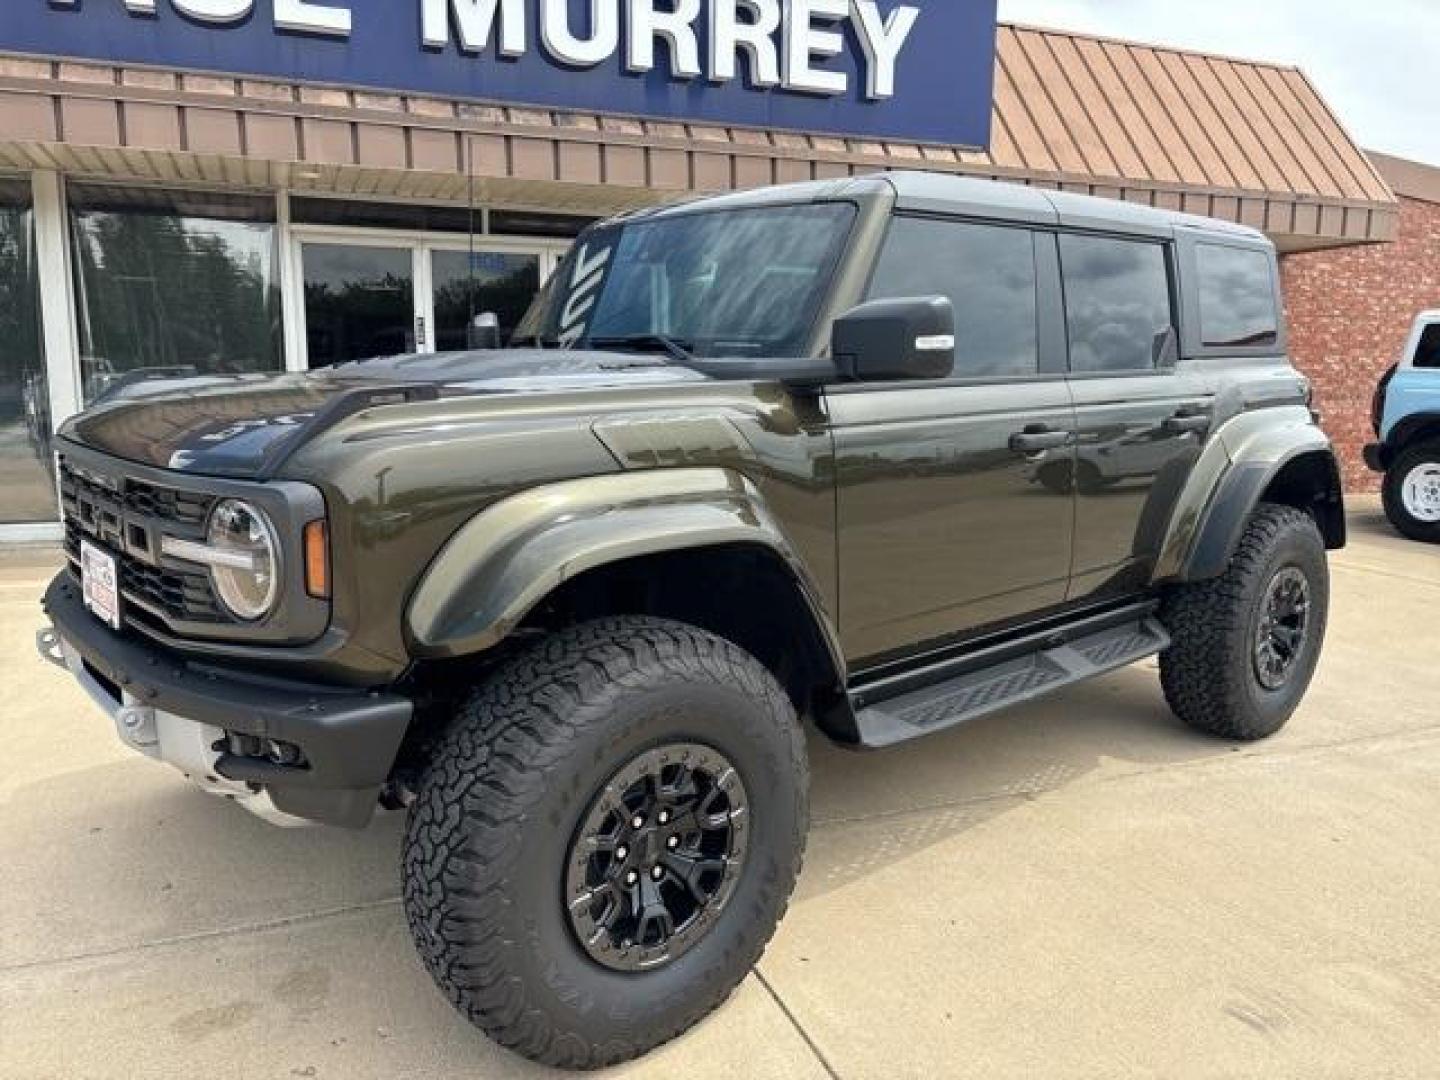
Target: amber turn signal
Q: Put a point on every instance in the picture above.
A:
(317, 560)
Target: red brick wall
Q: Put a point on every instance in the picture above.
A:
(1350, 312)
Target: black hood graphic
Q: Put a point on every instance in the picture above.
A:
(234, 425)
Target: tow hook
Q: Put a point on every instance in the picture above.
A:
(49, 646)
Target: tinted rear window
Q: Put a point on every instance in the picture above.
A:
(1237, 298)
(1117, 303)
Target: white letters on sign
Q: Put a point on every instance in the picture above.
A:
(475, 20)
(676, 28)
(309, 17)
(810, 33)
(134, 7)
(561, 42)
(754, 35)
(215, 11)
(882, 40)
(789, 44)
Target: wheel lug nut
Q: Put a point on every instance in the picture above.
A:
(622, 853)
(637, 822)
(657, 872)
(673, 843)
(664, 817)
(632, 877)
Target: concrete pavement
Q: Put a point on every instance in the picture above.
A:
(1081, 888)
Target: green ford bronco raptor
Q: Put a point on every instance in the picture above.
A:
(872, 457)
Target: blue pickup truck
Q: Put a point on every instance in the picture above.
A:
(1406, 417)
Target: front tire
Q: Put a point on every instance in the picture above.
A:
(1412, 493)
(606, 839)
(1245, 645)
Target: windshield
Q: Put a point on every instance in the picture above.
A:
(718, 283)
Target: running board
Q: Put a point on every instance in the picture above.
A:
(1006, 680)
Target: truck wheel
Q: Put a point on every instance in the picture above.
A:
(1412, 493)
(1245, 646)
(606, 838)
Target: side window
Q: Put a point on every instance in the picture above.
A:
(987, 271)
(1117, 303)
(1237, 297)
(1427, 355)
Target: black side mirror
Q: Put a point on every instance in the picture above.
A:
(484, 332)
(891, 340)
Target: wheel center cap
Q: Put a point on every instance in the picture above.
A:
(1282, 628)
(657, 856)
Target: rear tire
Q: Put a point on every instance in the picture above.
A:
(1412, 493)
(530, 805)
(1243, 652)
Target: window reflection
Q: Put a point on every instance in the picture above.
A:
(1117, 302)
(485, 281)
(27, 491)
(168, 279)
(1237, 297)
(987, 271)
(359, 302)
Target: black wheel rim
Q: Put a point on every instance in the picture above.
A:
(1282, 628)
(657, 856)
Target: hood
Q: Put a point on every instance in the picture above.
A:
(237, 425)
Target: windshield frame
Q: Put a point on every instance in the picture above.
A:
(540, 325)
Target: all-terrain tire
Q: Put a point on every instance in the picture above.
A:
(1423, 456)
(490, 833)
(1210, 673)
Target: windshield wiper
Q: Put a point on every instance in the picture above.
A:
(676, 349)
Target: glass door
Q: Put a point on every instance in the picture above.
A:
(360, 300)
(465, 283)
(367, 293)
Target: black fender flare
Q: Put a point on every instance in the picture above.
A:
(1279, 451)
(512, 555)
(1406, 432)
(1241, 491)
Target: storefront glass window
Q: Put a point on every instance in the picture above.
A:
(27, 491)
(168, 279)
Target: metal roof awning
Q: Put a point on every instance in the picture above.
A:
(1245, 142)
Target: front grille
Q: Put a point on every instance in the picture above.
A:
(128, 517)
(167, 504)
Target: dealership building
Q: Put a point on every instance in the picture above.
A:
(262, 185)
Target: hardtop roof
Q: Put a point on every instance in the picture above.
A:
(945, 193)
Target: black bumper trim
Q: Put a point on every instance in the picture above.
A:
(1376, 458)
(350, 738)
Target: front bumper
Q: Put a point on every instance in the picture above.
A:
(1376, 458)
(185, 713)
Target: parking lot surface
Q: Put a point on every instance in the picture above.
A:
(1080, 888)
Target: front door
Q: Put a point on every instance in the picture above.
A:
(359, 301)
(465, 283)
(954, 502)
(1141, 422)
(370, 294)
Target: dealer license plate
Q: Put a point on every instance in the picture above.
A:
(100, 578)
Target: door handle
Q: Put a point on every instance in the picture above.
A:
(1037, 438)
(1187, 422)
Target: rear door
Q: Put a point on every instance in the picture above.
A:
(1141, 420)
(953, 508)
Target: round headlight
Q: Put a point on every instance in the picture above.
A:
(249, 580)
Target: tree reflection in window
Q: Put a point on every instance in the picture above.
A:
(171, 279)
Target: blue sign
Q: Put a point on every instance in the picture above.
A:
(917, 70)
